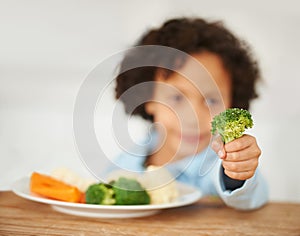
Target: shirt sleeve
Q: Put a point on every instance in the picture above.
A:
(251, 195)
(229, 183)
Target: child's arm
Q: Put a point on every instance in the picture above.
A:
(240, 161)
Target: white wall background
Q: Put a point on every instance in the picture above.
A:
(48, 47)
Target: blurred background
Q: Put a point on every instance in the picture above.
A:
(47, 48)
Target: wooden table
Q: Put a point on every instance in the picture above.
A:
(207, 217)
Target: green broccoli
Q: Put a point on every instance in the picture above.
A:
(129, 192)
(123, 191)
(100, 193)
(231, 123)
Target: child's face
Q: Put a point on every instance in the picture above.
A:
(185, 107)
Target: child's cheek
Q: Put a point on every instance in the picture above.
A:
(168, 118)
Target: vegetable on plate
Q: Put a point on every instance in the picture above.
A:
(123, 191)
(100, 193)
(49, 187)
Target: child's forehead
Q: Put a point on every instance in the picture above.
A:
(204, 72)
(176, 82)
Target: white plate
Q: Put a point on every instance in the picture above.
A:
(187, 196)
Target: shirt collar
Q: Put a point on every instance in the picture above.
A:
(192, 166)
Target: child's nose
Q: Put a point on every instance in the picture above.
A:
(194, 115)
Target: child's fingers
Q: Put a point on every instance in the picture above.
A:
(243, 155)
(240, 143)
(242, 166)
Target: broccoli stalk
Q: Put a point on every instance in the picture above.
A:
(100, 193)
(231, 123)
(129, 192)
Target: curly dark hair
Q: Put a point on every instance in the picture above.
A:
(193, 35)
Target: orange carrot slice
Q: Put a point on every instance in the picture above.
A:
(52, 188)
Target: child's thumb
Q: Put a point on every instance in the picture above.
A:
(217, 145)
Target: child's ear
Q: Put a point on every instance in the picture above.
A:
(149, 108)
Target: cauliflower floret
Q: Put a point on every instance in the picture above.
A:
(69, 177)
(160, 185)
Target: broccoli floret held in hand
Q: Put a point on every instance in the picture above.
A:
(231, 123)
(129, 192)
(100, 193)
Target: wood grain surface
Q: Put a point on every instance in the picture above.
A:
(207, 217)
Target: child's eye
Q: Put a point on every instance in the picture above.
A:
(177, 98)
(212, 101)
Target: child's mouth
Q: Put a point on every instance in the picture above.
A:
(191, 138)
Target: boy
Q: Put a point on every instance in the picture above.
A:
(182, 102)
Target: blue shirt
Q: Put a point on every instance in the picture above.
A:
(205, 172)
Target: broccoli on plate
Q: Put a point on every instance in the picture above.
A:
(129, 192)
(231, 123)
(123, 191)
(100, 193)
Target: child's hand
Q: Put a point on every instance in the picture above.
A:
(240, 156)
